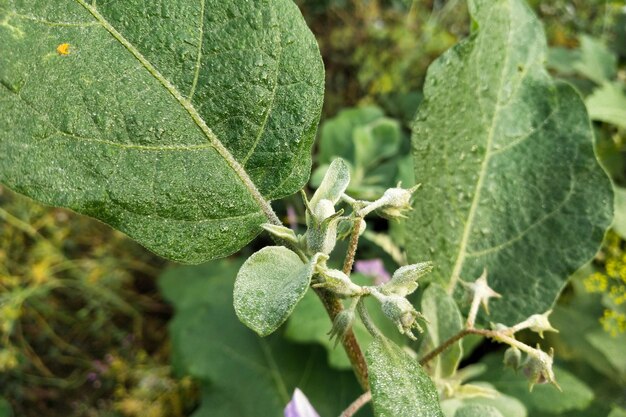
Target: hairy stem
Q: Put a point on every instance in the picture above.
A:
(354, 242)
(445, 345)
(350, 344)
(367, 321)
(497, 336)
(333, 307)
(357, 405)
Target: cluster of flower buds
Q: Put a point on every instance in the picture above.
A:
(538, 364)
(392, 297)
(538, 368)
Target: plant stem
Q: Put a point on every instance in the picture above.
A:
(367, 321)
(357, 404)
(354, 242)
(442, 347)
(350, 344)
(333, 307)
(498, 336)
(445, 345)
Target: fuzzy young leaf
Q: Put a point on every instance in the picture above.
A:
(505, 156)
(269, 285)
(400, 387)
(172, 121)
(333, 185)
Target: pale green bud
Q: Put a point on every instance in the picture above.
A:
(538, 368)
(322, 233)
(513, 358)
(338, 283)
(539, 323)
(401, 312)
(404, 280)
(342, 323)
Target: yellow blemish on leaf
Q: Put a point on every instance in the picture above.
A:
(63, 49)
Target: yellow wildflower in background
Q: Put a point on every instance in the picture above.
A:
(611, 282)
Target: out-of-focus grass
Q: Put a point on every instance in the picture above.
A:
(76, 300)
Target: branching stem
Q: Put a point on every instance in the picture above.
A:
(357, 404)
(350, 344)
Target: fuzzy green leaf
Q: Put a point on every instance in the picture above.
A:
(475, 410)
(269, 285)
(172, 121)
(400, 387)
(242, 374)
(444, 321)
(505, 156)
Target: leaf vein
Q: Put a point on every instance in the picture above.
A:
(193, 113)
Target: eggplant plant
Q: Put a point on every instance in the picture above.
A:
(179, 122)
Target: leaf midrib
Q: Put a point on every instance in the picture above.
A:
(193, 113)
(460, 259)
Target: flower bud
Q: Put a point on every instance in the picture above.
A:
(538, 368)
(513, 358)
(398, 201)
(342, 323)
(392, 205)
(322, 233)
(539, 323)
(404, 280)
(401, 312)
(338, 283)
(481, 291)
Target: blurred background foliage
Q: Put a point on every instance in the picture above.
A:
(87, 327)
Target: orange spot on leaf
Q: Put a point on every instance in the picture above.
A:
(63, 49)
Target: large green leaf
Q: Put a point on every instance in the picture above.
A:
(505, 156)
(399, 385)
(172, 121)
(243, 375)
(269, 285)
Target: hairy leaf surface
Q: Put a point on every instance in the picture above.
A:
(505, 156)
(172, 121)
(243, 375)
(444, 321)
(269, 285)
(399, 385)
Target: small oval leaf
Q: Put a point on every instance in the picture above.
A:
(268, 287)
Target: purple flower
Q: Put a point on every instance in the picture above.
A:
(299, 406)
(373, 268)
(292, 217)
